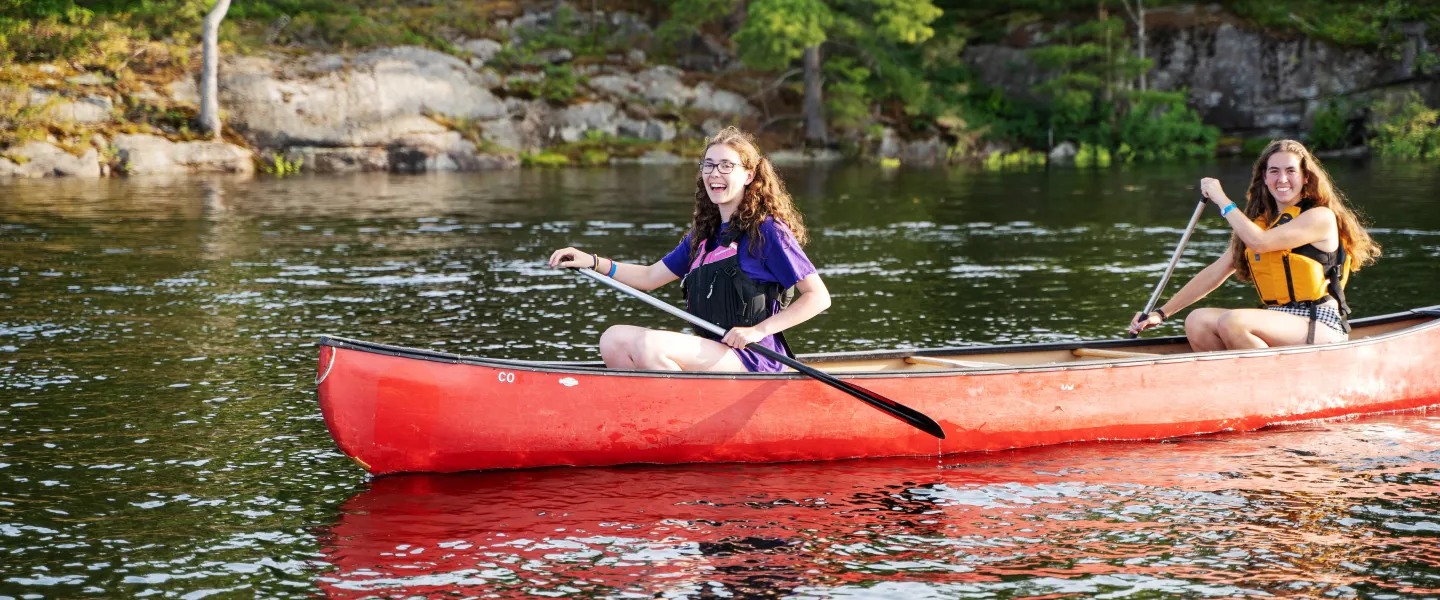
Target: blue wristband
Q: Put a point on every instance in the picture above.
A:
(612, 269)
(1227, 209)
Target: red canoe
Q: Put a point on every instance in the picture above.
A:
(395, 409)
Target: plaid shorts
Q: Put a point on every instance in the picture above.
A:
(1327, 315)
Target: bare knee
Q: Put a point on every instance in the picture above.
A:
(617, 345)
(1231, 324)
(1201, 329)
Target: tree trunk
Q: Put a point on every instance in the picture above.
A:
(1140, 39)
(209, 85)
(1137, 14)
(814, 104)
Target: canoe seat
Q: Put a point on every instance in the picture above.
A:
(953, 364)
(1099, 353)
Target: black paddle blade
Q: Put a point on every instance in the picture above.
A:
(890, 407)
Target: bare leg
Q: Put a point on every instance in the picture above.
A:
(1256, 328)
(1202, 329)
(630, 347)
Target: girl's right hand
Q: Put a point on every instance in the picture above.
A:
(572, 258)
(1143, 321)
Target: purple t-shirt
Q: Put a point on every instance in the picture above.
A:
(779, 260)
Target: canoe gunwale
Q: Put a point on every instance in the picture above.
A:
(596, 367)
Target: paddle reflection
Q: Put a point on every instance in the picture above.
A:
(1238, 514)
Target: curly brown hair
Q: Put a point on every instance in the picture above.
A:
(1260, 206)
(764, 197)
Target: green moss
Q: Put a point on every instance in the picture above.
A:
(545, 159)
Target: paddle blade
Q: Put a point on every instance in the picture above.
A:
(895, 409)
(890, 407)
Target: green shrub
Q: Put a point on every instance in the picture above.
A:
(1091, 155)
(544, 159)
(1330, 129)
(1158, 126)
(1405, 128)
(1023, 158)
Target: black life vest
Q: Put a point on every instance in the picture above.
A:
(718, 290)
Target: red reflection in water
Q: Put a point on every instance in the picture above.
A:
(1301, 510)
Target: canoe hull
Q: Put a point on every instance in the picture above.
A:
(397, 411)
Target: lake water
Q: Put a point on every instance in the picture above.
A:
(159, 434)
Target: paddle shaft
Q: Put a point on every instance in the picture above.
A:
(1174, 259)
(890, 407)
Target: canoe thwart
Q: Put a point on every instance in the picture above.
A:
(953, 364)
(1099, 353)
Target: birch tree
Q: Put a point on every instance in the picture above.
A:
(209, 78)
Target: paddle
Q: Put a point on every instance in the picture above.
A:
(890, 407)
(1179, 249)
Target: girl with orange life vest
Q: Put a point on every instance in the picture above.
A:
(1296, 240)
(739, 260)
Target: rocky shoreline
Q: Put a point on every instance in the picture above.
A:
(415, 110)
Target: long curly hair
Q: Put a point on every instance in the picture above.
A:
(765, 196)
(1260, 206)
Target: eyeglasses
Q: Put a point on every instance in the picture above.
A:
(725, 167)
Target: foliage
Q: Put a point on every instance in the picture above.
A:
(1365, 24)
(556, 83)
(1022, 159)
(1330, 128)
(544, 159)
(1405, 128)
(1091, 155)
(688, 16)
(777, 32)
(1158, 126)
(280, 167)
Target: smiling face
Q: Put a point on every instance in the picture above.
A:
(1284, 178)
(725, 189)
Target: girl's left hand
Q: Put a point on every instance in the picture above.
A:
(740, 337)
(1210, 188)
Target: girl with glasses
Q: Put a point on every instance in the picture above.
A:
(740, 262)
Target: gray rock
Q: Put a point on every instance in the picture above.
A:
(184, 90)
(40, 96)
(573, 121)
(658, 130)
(146, 93)
(1063, 154)
(483, 49)
(556, 56)
(339, 160)
(90, 109)
(722, 101)
(890, 144)
(924, 153)
(661, 157)
(369, 100)
(802, 157)
(90, 79)
(8, 168)
(45, 160)
(449, 151)
(712, 126)
(662, 85)
(635, 56)
(617, 85)
(1240, 79)
(141, 154)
